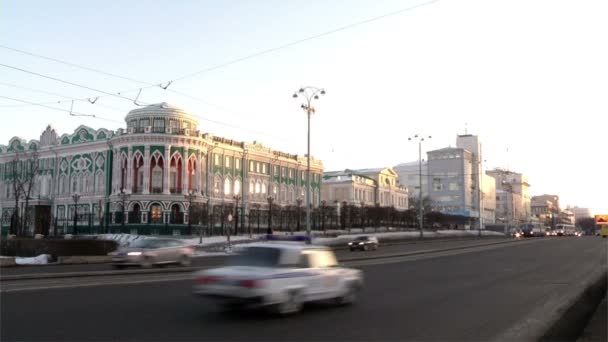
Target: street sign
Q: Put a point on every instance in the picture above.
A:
(601, 219)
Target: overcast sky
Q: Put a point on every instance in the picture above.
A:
(529, 77)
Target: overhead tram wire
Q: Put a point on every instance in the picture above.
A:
(67, 82)
(55, 94)
(234, 61)
(61, 109)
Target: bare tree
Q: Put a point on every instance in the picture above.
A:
(30, 175)
(23, 171)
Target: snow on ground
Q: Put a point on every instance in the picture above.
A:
(42, 259)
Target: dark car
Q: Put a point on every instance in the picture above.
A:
(363, 243)
(150, 252)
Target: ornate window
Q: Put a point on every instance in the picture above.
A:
(156, 174)
(227, 186)
(237, 186)
(99, 183)
(258, 187)
(264, 188)
(251, 186)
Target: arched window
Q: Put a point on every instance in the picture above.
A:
(251, 186)
(123, 172)
(62, 185)
(175, 178)
(74, 183)
(258, 187)
(237, 186)
(191, 172)
(283, 193)
(138, 172)
(264, 188)
(217, 185)
(156, 174)
(100, 182)
(227, 186)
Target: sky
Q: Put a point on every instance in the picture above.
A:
(530, 78)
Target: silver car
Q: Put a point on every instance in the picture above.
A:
(149, 252)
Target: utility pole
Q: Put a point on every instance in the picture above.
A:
(420, 139)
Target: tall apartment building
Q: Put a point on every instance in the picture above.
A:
(409, 176)
(513, 202)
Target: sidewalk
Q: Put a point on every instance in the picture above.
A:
(597, 327)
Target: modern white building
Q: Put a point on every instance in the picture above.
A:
(409, 176)
(581, 213)
(513, 202)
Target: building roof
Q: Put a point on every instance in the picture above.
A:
(162, 109)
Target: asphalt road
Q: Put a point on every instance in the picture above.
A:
(409, 246)
(469, 295)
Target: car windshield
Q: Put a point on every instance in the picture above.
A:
(257, 256)
(362, 238)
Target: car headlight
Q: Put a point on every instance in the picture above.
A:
(350, 243)
(517, 234)
(134, 253)
(360, 243)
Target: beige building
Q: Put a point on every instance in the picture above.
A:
(365, 187)
(513, 202)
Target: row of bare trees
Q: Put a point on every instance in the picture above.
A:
(21, 175)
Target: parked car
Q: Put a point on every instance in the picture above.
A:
(363, 243)
(150, 252)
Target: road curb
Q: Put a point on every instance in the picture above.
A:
(563, 316)
(7, 262)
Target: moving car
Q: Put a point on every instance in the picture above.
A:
(150, 252)
(281, 276)
(364, 243)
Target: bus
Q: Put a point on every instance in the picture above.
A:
(565, 230)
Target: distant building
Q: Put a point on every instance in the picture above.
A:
(581, 213)
(409, 176)
(366, 186)
(488, 193)
(513, 202)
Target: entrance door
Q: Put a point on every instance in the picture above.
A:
(42, 219)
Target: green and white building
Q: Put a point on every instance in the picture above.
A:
(151, 167)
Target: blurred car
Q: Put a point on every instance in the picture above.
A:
(149, 252)
(363, 243)
(281, 276)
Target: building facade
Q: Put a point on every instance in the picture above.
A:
(154, 170)
(409, 176)
(513, 202)
(365, 187)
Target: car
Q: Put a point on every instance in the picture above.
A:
(150, 252)
(363, 243)
(280, 276)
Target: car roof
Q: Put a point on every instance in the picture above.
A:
(286, 245)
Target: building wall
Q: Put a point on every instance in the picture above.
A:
(409, 176)
(157, 168)
(513, 202)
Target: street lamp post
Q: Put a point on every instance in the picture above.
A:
(420, 139)
(76, 197)
(309, 94)
(123, 194)
(237, 198)
(191, 196)
(270, 200)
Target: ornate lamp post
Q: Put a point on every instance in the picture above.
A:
(420, 139)
(123, 194)
(270, 200)
(191, 196)
(76, 197)
(309, 94)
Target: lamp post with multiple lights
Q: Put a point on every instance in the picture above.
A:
(420, 139)
(309, 94)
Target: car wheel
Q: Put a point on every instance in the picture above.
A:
(185, 261)
(147, 262)
(375, 247)
(291, 305)
(365, 247)
(349, 297)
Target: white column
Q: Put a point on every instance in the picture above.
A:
(185, 171)
(130, 169)
(197, 172)
(166, 169)
(146, 189)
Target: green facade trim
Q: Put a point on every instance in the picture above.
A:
(177, 149)
(141, 149)
(192, 151)
(124, 150)
(159, 148)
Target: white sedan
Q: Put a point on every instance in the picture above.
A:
(282, 276)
